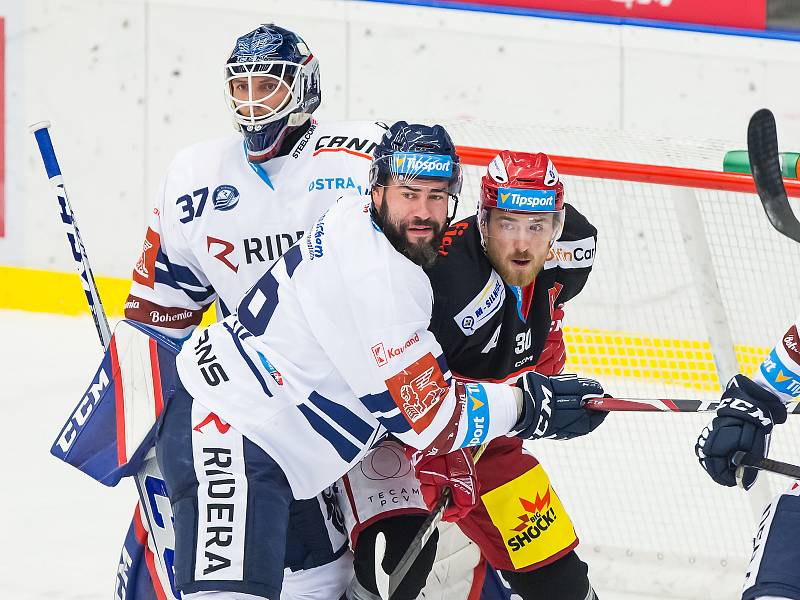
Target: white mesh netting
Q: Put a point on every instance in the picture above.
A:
(678, 275)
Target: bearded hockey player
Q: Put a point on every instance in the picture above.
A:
(499, 287)
(749, 410)
(282, 398)
(226, 211)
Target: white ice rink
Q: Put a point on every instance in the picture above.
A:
(62, 532)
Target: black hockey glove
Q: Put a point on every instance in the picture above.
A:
(552, 407)
(744, 422)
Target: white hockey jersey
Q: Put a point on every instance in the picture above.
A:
(780, 371)
(330, 349)
(220, 221)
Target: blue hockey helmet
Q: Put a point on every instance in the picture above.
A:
(272, 86)
(413, 151)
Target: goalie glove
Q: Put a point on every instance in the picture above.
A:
(744, 422)
(455, 470)
(552, 407)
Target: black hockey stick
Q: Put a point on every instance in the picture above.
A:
(388, 582)
(762, 147)
(743, 459)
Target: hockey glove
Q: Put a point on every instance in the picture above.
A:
(456, 471)
(744, 421)
(552, 407)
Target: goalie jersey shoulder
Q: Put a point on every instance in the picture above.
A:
(221, 221)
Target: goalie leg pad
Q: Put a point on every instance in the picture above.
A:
(111, 429)
(398, 531)
(773, 567)
(566, 579)
(230, 502)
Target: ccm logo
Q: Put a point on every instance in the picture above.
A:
(81, 413)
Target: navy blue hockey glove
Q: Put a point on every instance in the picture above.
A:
(552, 407)
(744, 421)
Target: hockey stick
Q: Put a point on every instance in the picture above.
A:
(762, 147)
(663, 405)
(388, 582)
(41, 132)
(743, 459)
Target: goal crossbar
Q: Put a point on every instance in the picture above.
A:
(625, 171)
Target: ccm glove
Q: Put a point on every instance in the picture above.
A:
(744, 422)
(454, 470)
(552, 407)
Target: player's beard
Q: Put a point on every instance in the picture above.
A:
(423, 253)
(512, 274)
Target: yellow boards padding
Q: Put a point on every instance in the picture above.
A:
(61, 293)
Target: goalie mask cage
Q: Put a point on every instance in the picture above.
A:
(690, 285)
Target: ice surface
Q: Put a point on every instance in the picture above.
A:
(62, 531)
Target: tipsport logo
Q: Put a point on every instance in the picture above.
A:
(422, 165)
(779, 376)
(477, 414)
(527, 200)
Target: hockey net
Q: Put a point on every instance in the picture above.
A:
(690, 284)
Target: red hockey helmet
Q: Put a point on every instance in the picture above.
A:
(511, 172)
(522, 182)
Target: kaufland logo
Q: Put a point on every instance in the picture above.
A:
(423, 165)
(529, 200)
(382, 356)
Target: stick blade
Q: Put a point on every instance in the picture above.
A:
(762, 147)
(381, 576)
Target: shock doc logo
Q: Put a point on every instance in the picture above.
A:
(530, 518)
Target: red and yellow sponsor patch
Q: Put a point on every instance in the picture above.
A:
(530, 518)
(418, 391)
(145, 270)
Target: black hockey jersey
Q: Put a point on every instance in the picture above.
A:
(491, 331)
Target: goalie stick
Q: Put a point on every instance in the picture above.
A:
(388, 582)
(42, 134)
(41, 131)
(743, 459)
(762, 147)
